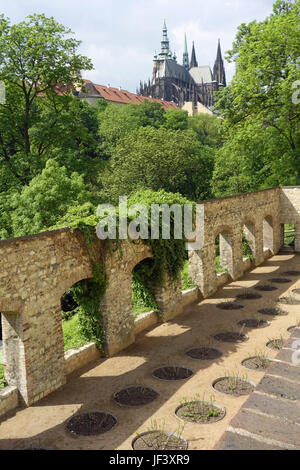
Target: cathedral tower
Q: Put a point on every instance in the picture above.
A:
(219, 69)
(185, 60)
(194, 62)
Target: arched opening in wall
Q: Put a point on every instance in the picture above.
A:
(268, 234)
(143, 288)
(248, 241)
(224, 261)
(77, 308)
(289, 236)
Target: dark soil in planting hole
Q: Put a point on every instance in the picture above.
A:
(274, 311)
(159, 440)
(266, 287)
(256, 363)
(292, 273)
(200, 412)
(172, 373)
(230, 305)
(275, 344)
(233, 386)
(249, 296)
(231, 337)
(288, 301)
(253, 323)
(280, 280)
(135, 396)
(204, 353)
(291, 328)
(91, 424)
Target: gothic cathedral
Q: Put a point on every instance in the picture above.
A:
(183, 83)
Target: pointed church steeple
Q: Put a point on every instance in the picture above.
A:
(185, 60)
(219, 74)
(194, 62)
(165, 52)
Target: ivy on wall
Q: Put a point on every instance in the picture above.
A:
(169, 257)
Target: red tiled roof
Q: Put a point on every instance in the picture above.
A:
(116, 95)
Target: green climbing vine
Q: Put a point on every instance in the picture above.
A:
(169, 257)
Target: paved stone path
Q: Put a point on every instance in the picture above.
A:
(270, 418)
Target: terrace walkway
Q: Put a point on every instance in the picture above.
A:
(270, 418)
(91, 388)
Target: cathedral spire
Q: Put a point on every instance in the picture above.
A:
(194, 62)
(219, 69)
(165, 52)
(185, 60)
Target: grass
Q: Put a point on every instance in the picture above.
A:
(219, 268)
(138, 308)
(73, 336)
(2, 379)
(186, 281)
(289, 234)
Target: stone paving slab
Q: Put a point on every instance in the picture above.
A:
(234, 441)
(270, 418)
(273, 406)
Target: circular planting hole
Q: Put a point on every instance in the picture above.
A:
(204, 353)
(249, 296)
(200, 412)
(231, 337)
(135, 396)
(280, 280)
(253, 323)
(236, 386)
(275, 344)
(296, 291)
(91, 424)
(274, 311)
(159, 440)
(172, 373)
(291, 328)
(230, 305)
(266, 287)
(256, 363)
(288, 301)
(292, 273)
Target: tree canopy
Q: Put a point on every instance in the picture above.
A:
(262, 118)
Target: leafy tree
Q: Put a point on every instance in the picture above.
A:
(261, 117)
(207, 128)
(38, 60)
(46, 199)
(158, 159)
(176, 119)
(118, 121)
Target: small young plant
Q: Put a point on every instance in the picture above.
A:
(158, 438)
(198, 409)
(276, 343)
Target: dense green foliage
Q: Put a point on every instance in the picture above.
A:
(2, 378)
(172, 160)
(261, 106)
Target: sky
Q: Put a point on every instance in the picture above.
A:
(121, 36)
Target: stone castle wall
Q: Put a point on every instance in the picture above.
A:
(36, 270)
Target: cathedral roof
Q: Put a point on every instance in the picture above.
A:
(170, 68)
(202, 74)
